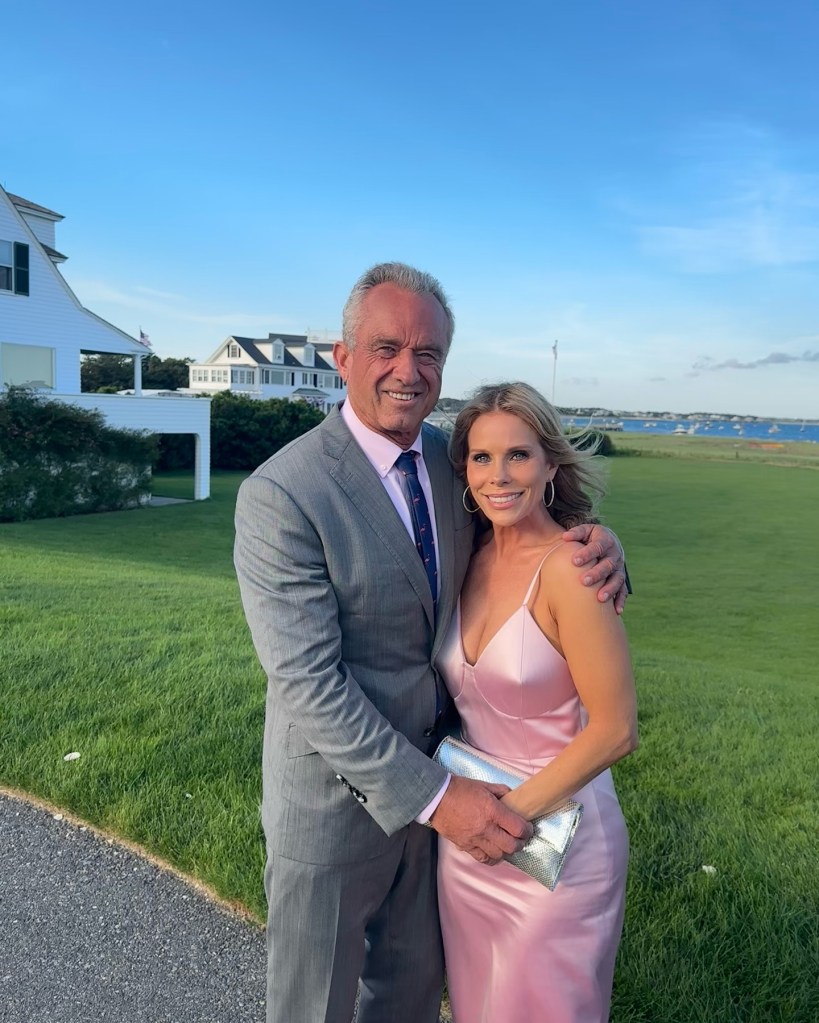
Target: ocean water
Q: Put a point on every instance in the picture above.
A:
(767, 430)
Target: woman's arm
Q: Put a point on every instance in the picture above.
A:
(591, 637)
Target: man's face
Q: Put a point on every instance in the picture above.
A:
(393, 374)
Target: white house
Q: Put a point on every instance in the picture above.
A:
(299, 367)
(44, 329)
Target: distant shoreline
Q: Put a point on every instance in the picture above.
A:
(454, 405)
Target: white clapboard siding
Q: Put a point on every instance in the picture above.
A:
(51, 316)
(42, 227)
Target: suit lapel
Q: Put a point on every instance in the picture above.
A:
(360, 482)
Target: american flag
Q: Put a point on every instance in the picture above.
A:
(144, 339)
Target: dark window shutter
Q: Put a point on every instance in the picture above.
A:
(20, 268)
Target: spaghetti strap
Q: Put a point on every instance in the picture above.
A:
(536, 576)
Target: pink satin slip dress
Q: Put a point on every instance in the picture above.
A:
(516, 952)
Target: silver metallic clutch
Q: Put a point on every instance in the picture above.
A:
(544, 854)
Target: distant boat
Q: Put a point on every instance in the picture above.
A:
(774, 429)
(680, 431)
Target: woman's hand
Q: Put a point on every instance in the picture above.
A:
(602, 554)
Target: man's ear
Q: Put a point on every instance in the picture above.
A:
(341, 357)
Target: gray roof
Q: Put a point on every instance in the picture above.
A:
(52, 253)
(249, 346)
(289, 339)
(20, 202)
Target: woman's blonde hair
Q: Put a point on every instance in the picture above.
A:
(577, 481)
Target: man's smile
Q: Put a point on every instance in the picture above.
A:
(402, 395)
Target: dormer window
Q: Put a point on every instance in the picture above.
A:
(234, 351)
(278, 351)
(309, 354)
(14, 267)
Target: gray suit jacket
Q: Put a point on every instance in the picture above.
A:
(341, 615)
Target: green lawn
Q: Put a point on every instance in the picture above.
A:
(123, 639)
(723, 626)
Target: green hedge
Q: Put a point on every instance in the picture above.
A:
(57, 459)
(246, 431)
(243, 432)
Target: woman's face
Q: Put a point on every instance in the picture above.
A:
(507, 469)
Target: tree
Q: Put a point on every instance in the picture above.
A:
(111, 373)
(165, 374)
(244, 431)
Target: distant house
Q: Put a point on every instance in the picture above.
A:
(44, 331)
(299, 367)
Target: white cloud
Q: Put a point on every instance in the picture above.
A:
(756, 237)
(734, 202)
(707, 364)
(172, 307)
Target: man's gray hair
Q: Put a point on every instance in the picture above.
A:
(407, 278)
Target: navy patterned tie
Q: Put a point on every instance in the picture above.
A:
(421, 522)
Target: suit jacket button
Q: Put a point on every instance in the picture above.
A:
(429, 732)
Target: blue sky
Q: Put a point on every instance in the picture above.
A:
(639, 181)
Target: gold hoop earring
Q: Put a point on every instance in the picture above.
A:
(552, 498)
(466, 506)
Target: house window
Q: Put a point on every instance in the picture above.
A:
(26, 365)
(219, 376)
(242, 376)
(14, 267)
(234, 351)
(273, 376)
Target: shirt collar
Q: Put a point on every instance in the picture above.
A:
(381, 452)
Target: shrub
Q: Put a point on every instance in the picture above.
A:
(57, 459)
(245, 431)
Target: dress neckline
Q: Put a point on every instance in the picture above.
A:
(517, 611)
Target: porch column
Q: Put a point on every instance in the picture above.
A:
(201, 467)
(138, 374)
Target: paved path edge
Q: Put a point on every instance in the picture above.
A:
(235, 909)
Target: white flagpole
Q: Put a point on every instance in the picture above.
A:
(554, 370)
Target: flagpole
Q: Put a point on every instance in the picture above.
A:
(554, 370)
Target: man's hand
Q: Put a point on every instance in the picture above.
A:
(604, 557)
(472, 817)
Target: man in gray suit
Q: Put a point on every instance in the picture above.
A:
(347, 623)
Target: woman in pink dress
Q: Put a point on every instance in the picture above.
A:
(541, 676)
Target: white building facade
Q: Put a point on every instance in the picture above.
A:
(44, 331)
(299, 367)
